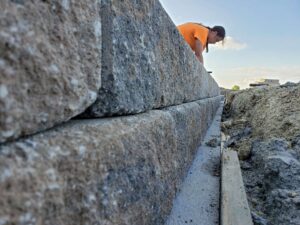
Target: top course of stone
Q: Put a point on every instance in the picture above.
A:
(146, 63)
(56, 56)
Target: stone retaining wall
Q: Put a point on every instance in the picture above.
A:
(122, 170)
(117, 170)
(51, 67)
(146, 63)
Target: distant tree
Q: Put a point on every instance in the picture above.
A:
(235, 88)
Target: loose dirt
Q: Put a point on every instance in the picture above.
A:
(263, 126)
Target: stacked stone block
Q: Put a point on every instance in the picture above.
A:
(122, 170)
(50, 63)
(113, 170)
(146, 64)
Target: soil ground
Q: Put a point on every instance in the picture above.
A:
(263, 126)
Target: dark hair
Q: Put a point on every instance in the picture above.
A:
(220, 31)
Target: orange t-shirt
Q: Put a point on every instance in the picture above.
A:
(193, 31)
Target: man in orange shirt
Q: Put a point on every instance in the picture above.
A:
(199, 36)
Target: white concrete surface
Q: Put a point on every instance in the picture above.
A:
(198, 201)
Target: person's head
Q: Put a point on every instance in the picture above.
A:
(216, 34)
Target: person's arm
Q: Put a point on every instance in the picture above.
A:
(199, 50)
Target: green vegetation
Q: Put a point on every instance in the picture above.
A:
(235, 88)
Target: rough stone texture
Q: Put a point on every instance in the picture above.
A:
(50, 63)
(146, 63)
(263, 125)
(106, 171)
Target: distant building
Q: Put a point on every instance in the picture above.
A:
(265, 82)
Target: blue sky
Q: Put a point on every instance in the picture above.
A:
(264, 37)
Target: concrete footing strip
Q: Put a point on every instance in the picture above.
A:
(234, 204)
(198, 201)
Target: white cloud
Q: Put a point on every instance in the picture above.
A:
(230, 43)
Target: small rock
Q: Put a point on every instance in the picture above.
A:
(213, 143)
(258, 220)
(240, 121)
(244, 152)
(292, 194)
(226, 125)
(245, 165)
(296, 201)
